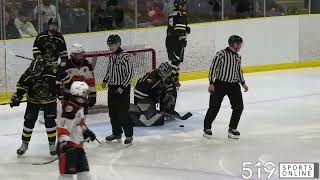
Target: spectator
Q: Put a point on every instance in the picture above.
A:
(168, 6)
(11, 30)
(72, 14)
(130, 14)
(47, 11)
(103, 19)
(243, 8)
(216, 8)
(117, 13)
(199, 11)
(24, 26)
(154, 14)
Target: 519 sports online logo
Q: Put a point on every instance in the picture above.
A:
(282, 170)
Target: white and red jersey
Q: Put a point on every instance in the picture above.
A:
(70, 125)
(82, 72)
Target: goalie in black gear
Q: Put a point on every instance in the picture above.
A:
(39, 83)
(176, 40)
(155, 87)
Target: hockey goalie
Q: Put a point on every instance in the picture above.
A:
(155, 87)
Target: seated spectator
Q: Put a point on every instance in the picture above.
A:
(11, 30)
(103, 19)
(154, 14)
(216, 6)
(24, 26)
(129, 14)
(72, 15)
(117, 13)
(47, 11)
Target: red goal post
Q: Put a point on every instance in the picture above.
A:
(144, 60)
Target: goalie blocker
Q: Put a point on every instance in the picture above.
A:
(155, 87)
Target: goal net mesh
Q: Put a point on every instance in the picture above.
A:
(144, 60)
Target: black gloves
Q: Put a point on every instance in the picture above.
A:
(15, 100)
(92, 101)
(89, 134)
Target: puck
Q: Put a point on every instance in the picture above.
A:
(181, 126)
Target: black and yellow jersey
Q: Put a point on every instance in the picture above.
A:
(42, 89)
(50, 48)
(178, 24)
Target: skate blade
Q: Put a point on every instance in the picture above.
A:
(118, 141)
(208, 136)
(231, 136)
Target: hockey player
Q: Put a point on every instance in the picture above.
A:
(50, 44)
(80, 69)
(72, 132)
(118, 77)
(156, 86)
(176, 40)
(39, 83)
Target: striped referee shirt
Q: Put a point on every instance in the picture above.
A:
(226, 66)
(120, 70)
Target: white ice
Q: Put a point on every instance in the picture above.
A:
(280, 123)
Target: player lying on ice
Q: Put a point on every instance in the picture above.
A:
(155, 87)
(72, 133)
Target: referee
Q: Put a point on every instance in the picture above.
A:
(225, 76)
(118, 77)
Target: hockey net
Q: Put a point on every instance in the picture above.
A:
(144, 60)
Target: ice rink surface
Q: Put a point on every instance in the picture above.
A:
(280, 123)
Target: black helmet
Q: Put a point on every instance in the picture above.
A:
(37, 66)
(164, 70)
(53, 21)
(235, 39)
(113, 39)
(179, 3)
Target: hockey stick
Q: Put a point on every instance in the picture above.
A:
(53, 160)
(177, 116)
(19, 56)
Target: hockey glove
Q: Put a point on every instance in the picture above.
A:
(89, 134)
(92, 101)
(15, 101)
(188, 30)
(66, 147)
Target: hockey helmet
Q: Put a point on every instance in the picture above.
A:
(113, 39)
(79, 89)
(37, 66)
(179, 3)
(235, 39)
(53, 21)
(76, 49)
(164, 70)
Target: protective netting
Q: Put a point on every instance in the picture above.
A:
(144, 60)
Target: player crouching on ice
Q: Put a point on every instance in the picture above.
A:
(39, 83)
(155, 86)
(72, 133)
(80, 69)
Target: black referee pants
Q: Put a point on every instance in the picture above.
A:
(119, 105)
(233, 91)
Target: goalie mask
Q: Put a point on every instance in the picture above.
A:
(80, 91)
(77, 52)
(164, 71)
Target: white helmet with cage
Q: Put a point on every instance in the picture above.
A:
(76, 49)
(79, 89)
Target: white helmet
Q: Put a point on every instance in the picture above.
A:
(76, 49)
(79, 89)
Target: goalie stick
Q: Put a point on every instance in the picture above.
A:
(178, 116)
